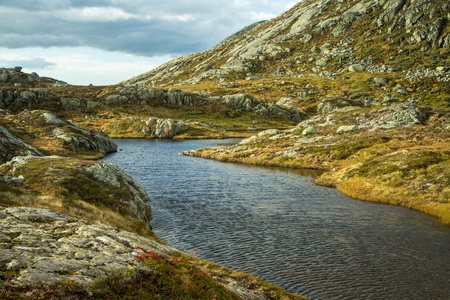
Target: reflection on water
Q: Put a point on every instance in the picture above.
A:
(276, 224)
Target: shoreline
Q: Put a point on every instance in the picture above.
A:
(440, 212)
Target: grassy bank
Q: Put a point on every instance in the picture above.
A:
(409, 167)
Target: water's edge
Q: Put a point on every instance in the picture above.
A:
(285, 229)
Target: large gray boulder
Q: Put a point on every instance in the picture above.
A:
(165, 129)
(356, 68)
(309, 130)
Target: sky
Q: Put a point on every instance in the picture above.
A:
(107, 41)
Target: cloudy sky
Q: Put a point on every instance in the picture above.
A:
(107, 41)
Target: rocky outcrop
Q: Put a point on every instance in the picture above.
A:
(78, 137)
(11, 146)
(164, 128)
(43, 245)
(16, 75)
(139, 206)
(395, 116)
(347, 128)
(244, 102)
(15, 100)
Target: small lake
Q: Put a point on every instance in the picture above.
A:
(278, 225)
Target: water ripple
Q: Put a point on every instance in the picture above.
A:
(281, 227)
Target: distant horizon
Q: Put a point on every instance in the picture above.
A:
(106, 42)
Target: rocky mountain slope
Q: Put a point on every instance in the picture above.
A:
(327, 38)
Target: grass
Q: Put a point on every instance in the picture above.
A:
(62, 184)
(402, 166)
(31, 127)
(129, 121)
(173, 277)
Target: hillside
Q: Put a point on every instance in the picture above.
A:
(370, 81)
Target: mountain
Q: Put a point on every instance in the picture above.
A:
(326, 38)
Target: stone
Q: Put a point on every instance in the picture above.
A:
(151, 121)
(269, 132)
(52, 119)
(165, 129)
(67, 248)
(322, 62)
(390, 10)
(400, 90)
(348, 128)
(379, 81)
(18, 69)
(309, 130)
(395, 116)
(325, 108)
(60, 84)
(356, 68)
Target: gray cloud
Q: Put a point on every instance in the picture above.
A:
(143, 27)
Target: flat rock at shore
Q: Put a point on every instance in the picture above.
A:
(43, 245)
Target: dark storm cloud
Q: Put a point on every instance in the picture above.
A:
(144, 27)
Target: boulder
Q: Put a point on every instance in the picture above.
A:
(165, 129)
(356, 68)
(379, 81)
(325, 107)
(347, 128)
(395, 116)
(309, 130)
(269, 132)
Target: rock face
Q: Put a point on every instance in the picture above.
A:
(43, 245)
(244, 102)
(11, 146)
(139, 206)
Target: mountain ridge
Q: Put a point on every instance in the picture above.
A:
(346, 30)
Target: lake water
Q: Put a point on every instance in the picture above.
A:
(278, 225)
